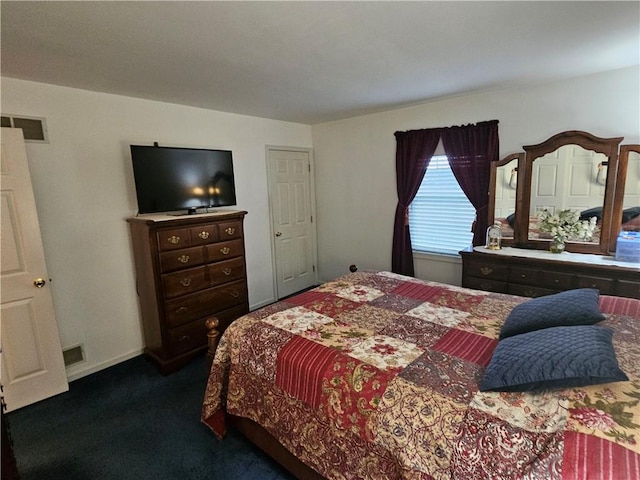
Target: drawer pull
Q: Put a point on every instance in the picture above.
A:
(225, 250)
(486, 270)
(230, 231)
(183, 258)
(185, 282)
(182, 310)
(184, 338)
(173, 240)
(556, 281)
(235, 294)
(227, 271)
(203, 235)
(523, 276)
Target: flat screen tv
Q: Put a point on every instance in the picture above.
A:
(173, 179)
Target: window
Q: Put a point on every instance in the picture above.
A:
(440, 216)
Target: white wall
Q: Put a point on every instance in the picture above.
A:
(83, 183)
(355, 158)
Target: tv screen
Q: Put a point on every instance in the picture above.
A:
(170, 179)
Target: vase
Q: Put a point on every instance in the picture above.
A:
(556, 246)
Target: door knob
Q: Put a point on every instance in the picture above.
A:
(278, 234)
(39, 282)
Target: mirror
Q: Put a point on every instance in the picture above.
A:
(503, 185)
(626, 212)
(571, 170)
(569, 178)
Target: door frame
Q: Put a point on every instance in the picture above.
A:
(312, 207)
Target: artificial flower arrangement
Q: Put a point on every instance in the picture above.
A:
(566, 225)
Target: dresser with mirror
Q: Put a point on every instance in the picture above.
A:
(573, 170)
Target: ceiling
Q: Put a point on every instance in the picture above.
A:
(312, 62)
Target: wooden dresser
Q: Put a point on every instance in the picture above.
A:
(532, 273)
(188, 269)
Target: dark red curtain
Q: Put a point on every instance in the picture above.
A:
(470, 150)
(413, 152)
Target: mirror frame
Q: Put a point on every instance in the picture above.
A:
(612, 197)
(493, 178)
(621, 182)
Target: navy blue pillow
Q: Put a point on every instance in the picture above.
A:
(630, 214)
(572, 307)
(558, 357)
(592, 212)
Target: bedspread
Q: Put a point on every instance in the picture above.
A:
(375, 375)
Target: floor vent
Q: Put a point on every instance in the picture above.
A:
(34, 129)
(73, 355)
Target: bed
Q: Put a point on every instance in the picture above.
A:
(376, 375)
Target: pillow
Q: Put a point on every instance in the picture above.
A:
(571, 307)
(629, 214)
(592, 212)
(558, 357)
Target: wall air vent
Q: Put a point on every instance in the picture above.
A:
(73, 355)
(34, 129)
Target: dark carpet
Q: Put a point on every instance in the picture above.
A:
(130, 422)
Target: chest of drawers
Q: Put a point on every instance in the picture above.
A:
(188, 269)
(533, 277)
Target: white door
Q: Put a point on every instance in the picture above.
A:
(32, 366)
(292, 220)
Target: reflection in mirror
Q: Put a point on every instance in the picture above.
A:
(505, 196)
(569, 178)
(630, 221)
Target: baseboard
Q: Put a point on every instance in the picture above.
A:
(79, 373)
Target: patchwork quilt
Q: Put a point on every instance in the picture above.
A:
(375, 376)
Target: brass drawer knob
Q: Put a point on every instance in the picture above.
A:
(183, 258)
(184, 338)
(173, 240)
(185, 282)
(234, 293)
(230, 231)
(227, 271)
(486, 270)
(225, 250)
(182, 310)
(203, 235)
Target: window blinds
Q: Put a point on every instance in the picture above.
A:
(440, 215)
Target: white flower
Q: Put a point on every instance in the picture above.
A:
(566, 225)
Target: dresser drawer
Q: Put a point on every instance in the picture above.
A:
(557, 280)
(204, 234)
(526, 276)
(485, 284)
(486, 270)
(605, 285)
(188, 337)
(226, 271)
(173, 239)
(627, 288)
(224, 250)
(208, 303)
(230, 295)
(529, 290)
(229, 230)
(184, 281)
(187, 308)
(179, 259)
